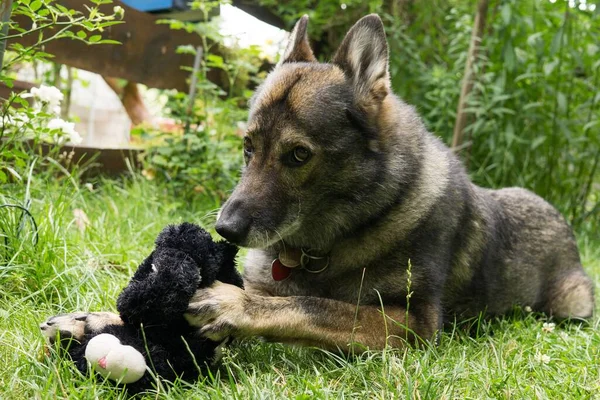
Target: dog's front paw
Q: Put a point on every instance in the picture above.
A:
(77, 325)
(219, 311)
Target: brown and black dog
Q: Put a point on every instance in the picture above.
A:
(364, 228)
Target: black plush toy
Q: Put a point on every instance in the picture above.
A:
(156, 337)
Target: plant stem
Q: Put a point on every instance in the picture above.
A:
(5, 11)
(552, 146)
(467, 85)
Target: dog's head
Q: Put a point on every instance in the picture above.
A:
(313, 148)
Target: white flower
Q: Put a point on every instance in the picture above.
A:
(8, 120)
(527, 309)
(17, 120)
(75, 137)
(20, 119)
(48, 94)
(543, 358)
(563, 335)
(119, 11)
(67, 128)
(548, 327)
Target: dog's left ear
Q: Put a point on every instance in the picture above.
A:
(298, 48)
(363, 56)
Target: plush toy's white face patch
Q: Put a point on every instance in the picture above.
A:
(112, 360)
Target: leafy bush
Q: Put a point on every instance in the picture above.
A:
(201, 154)
(534, 113)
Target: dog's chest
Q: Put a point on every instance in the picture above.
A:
(334, 283)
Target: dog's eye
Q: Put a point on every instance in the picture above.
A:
(248, 149)
(299, 156)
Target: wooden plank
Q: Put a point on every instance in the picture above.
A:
(147, 54)
(95, 160)
(18, 86)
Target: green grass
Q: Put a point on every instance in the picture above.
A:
(71, 270)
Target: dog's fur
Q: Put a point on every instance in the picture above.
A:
(410, 240)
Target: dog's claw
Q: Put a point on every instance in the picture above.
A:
(217, 332)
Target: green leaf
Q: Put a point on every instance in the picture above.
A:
(36, 5)
(108, 41)
(109, 23)
(533, 105)
(81, 34)
(95, 38)
(509, 56)
(537, 142)
(549, 67)
(14, 173)
(159, 160)
(591, 124)
(532, 40)
(509, 134)
(186, 49)
(215, 60)
(21, 101)
(506, 13)
(556, 40)
(562, 101)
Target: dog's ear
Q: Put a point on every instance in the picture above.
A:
(298, 48)
(363, 56)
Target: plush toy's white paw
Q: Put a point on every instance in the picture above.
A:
(113, 360)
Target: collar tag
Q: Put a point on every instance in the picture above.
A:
(279, 272)
(289, 259)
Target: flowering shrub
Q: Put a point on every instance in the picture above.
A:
(35, 115)
(41, 120)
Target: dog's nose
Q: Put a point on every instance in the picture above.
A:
(233, 225)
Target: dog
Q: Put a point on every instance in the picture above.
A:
(364, 229)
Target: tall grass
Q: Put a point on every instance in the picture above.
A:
(71, 269)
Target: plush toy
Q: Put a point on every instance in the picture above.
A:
(155, 339)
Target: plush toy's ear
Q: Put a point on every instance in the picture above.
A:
(186, 237)
(298, 48)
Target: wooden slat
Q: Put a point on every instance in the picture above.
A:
(147, 54)
(18, 86)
